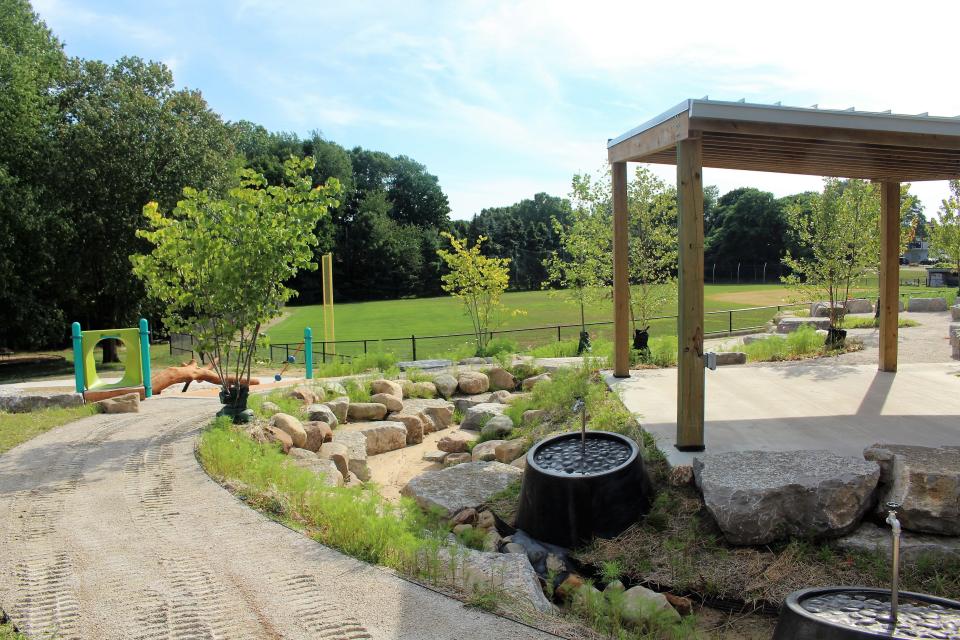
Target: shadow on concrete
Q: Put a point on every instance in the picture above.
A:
(876, 395)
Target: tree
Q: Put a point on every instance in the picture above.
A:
(748, 226)
(479, 283)
(945, 232)
(219, 263)
(841, 235)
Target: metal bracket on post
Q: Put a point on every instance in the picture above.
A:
(710, 360)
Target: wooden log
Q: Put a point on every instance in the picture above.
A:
(189, 372)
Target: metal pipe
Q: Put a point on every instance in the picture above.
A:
(895, 543)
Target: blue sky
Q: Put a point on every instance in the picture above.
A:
(502, 100)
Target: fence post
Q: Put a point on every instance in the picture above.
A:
(730, 313)
(287, 357)
(558, 333)
(413, 343)
(364, 346)
(308, 351)
(323, 352)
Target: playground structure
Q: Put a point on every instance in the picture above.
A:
(136, 361)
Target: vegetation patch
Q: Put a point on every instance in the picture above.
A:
(803, 343)
(16, 428)
(864, 322)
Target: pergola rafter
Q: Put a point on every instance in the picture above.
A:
(882, 147)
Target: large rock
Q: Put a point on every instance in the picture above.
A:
(533, 381)
(306, 395)
(486, 450)
(859, 305)
(424, 389)
(509, 450)
(335, 389)
(384, 436)
(955, 313)
(477, 416)
(462, 486)
(497, 427)
(272, 434)
(391, 402)
(366, 411)
(302, 454)
(471, 382)
(356, 444)
(446, 384)
(791, 324)
(926, 304)
(955, 340)
(339, 454)
(325, 468)
(533, 416)
(464, 403)
(639, 603)
(457, 458)
(339, 407)
(452, 445)
(758, 497)
(292, 427)
(822, 309)
(500, 378)
(440, 412)
(321, 413)
(317, 433)
(508, 573)
(20, 402)
(925, 481)
(436, 457)
(387, 386)
(913, 546)
(413, 424)
(503, 396)
(127, 403)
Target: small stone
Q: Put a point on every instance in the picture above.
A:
(452, 445)
(464, 516)
(485, 520)
(391, 402)
(387, 386)
(306, 395)
(513, 547)
(533, 416)
(681, 475)
(503, 397)
(456, 458)
(435, 457)
(639, 602)
(476, 417)
(366, 411)
(291, 426)
(510, 450)
(322, 413)
(500, 378)
(127, 403)
(497, 427)
(555, 564)
(683, 606)
(486, 451)
(570, 585)
(491, 542)
(533, 381)
(614, 586)
(471, 382)
(270, 408)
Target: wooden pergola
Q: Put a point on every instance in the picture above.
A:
(882, 147)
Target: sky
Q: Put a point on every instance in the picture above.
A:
(502, 100)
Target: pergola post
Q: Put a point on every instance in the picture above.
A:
(889, 273)
(621, 284)
(690, 372)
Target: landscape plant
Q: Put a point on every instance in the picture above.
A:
(219, 263)
(945, 232)
(838, 231)
(478, 282)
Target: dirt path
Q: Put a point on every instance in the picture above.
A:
(112, 530)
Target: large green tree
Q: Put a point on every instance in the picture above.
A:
(748, 226)
(945, 232)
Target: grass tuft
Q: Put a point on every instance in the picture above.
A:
(16, 428)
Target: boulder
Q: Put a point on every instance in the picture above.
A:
(926, 304)
(457, 458)
(436, 457)
(306, 395)
(463, 404)
(322, 413)
(340, 407)
(273, 434)
(391, 402)
(413, 424)
(326, 468)
(533, 416)
(790, 324)
(955, 313)
(925, 481)
(270, 408)
(510, 450)
(756, 337)
(822, 309)
(477, 416)
(256, 433)
(20, 402)
(356, 444)
(500, 378)
(509, 573)
(503, 396)
(486, 451)
(440, 412)
(339, 454)
(497, 427)
(424, 365)
(334, 389)
(520, 463)
(127, 403)
(725, 358)
(366, 411)
(291, 426)
(859, 305)
(452, 445)
(383, 436)
(475, 360)
(870, 538)
(465, 485)
(446, 384)
(472, 382)
(758, 497)
(639, 603)
(388, 387)
(424, 389)
(317, 433)
(533, 381)
(955, 340)
(302, 454)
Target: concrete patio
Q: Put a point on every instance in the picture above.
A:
(788, 406)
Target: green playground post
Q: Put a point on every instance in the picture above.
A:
(308, 351)
(145, 357)
(78, 356)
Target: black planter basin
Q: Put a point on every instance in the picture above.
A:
(848, 613)
(564, 503)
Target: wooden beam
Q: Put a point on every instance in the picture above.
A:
(621, 283)
(889, 273)
(690, 373)
(663, 136)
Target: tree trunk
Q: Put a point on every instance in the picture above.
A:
(109, 348)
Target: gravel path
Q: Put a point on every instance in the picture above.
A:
(111, 529)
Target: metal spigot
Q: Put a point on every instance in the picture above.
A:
(895, 542)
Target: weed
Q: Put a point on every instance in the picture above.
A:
(357, 391)
(377, 360)
(472, 538)
(485, 597)
(413, 374)
(498, 346)
(458, 415)
(610, 570)
(870, 322)
(278, 397)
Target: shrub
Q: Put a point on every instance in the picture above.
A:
(279, 397)
(498, 346)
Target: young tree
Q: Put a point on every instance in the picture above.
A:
(840, 233)
(478, 281)
(945, 232)
(219, 263)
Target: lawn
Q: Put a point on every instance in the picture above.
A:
(20, 427)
